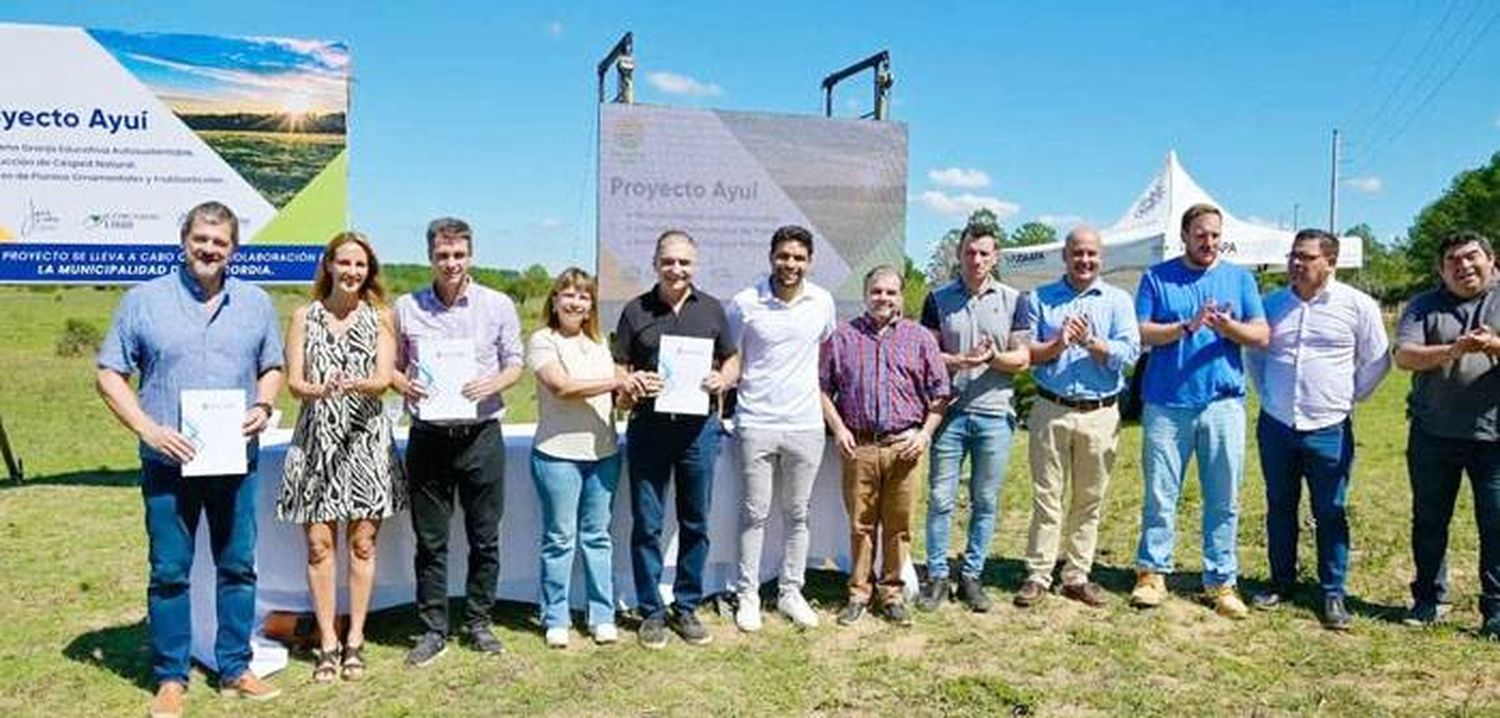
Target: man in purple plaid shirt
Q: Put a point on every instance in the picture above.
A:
(884, 389)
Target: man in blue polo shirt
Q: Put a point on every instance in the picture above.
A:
(195, 328)
(1196, 312)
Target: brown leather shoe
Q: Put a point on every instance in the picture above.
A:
(1087, 593)
(249, 687)
(1031, 592)
(167, 703)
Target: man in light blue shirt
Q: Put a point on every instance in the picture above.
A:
(1328, 350)
(196, 328)
(1084, 337)
(1196, 312)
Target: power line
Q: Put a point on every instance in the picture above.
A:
(1400, 89)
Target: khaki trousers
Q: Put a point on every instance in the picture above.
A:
(1068, 444)
(879, 490)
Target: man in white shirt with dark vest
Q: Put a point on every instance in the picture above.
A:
(1328, 350)
(779, 325)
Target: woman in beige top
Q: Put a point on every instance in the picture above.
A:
(575, 463)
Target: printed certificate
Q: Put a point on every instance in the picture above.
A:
(443, 367)
(683, 362)
(211, 421)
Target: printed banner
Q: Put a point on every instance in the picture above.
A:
(110, 137)
(730, 179)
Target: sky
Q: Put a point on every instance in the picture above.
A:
(1053, 112)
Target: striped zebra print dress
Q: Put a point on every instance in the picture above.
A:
(342, 463)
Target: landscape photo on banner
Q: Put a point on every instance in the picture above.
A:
(117, 134)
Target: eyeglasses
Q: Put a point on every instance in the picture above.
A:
(1303, 256)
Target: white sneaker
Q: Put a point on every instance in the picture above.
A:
(557, 637)
(605, 633)
(794, 606)
(747, 616)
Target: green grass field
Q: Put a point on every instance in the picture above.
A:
(74, 575)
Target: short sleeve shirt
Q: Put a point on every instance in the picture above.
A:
(778, 343)
(961, 320)
(163, 332)
(574, 429)
(1460, 399)
(1201, 367)
(646, 318)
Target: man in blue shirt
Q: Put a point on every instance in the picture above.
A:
(1084, 337)
(195, 328)
(1196, 312)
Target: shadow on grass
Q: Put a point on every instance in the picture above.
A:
(121, 650)
(99, 478)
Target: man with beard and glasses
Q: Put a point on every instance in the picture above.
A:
(1447, 338)
(778, 325)
(195, 329)
(1085, 337)
(1328, 350)
(884, 391)
(1196, 312)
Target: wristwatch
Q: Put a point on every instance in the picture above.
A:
(270, 409)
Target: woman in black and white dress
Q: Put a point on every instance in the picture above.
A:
(341, 465)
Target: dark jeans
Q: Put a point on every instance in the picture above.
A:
(1435, 467)
(1323, 457)
(173, 505)
(657, 448)
(439, 463)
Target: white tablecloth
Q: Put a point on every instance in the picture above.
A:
(281, 552)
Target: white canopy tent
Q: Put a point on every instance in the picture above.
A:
(1149, 232)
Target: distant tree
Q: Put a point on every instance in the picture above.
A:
(1387, 274)
(942, 265)
(536, 281)
(1032, 233)
(1472, 201)
(914, 289)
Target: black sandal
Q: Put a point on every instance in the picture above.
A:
(354, 663)
(326, 669)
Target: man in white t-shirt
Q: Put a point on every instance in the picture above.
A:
(779, 324)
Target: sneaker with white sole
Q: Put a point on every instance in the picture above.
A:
(557, 637)
(747, 615)
(794, 606)
(605, 633)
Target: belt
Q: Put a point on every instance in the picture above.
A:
(880, 438)
(1079, 404)
(452, 431)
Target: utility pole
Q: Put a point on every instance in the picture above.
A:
(1296, 216)
(1333, 188)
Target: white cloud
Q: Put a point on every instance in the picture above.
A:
(549, 223)
(1061, 221)
(675, 84)
(555, 28)
(966, 178)
(963, 205)
(1367, 185)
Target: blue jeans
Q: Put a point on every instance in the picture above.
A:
(660, 449)
(1171, 436)
(173, 505)
(1323, 456)
(1435, 468)
(576, 498)
(986, 440)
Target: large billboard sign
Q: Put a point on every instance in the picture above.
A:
(730, 179)
(107, 138)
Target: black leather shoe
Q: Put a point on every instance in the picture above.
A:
(972, 594)
(482, 639)
(934, 592)
(852, 612)
(1335, 617)
(1271, 599)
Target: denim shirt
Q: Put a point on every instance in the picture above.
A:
(163, 332)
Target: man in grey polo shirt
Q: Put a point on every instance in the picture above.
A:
(1448, 339)
(982, 330)
(196, 328)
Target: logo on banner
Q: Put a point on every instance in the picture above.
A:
(117, 220)
(37, 220)
(1021, 259)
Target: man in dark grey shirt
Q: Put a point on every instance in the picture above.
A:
(1449, 338)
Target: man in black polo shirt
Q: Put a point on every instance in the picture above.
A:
(659, 446)
(1448, 339)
